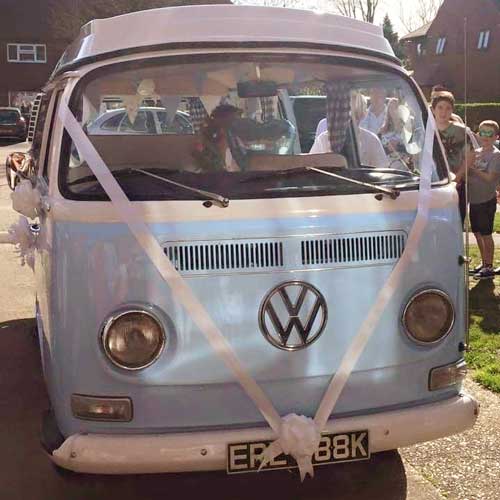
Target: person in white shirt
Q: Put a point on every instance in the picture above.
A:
(371, 151)
(377, 111)
(322, 127)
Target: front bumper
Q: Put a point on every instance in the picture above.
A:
(13, 134)
(204, 451)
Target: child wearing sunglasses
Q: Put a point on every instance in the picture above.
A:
(484, 175)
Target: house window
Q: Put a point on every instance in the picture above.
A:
(26, 53)
(484, 40)
(421, 49)
(440, 45)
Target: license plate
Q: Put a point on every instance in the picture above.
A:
(333, 448)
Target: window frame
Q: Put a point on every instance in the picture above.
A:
(32, 51)
(441, 168)
(440, 45)
(149, 122)
(483, 41)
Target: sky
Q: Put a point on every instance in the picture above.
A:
(391, 7)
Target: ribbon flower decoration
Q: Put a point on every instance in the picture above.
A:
(29, 202)
(26, 200)
(299, 437)
(21, 235)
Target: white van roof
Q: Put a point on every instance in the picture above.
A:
(216, 24)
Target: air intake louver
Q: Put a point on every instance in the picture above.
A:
(231, 256)
(292, 253)
(354, 249)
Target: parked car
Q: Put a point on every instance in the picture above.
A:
(12, 124)
(149, 120)
(309, 111)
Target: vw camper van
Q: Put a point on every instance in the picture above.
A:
(200, 274)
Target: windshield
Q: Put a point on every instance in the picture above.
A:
(246, 127)
(8, 116)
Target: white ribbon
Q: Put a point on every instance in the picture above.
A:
(21, 235)
(26, 200)
(128, 214)
(303, 429)
(390, 287)
(297, 435)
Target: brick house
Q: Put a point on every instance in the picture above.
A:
(28, 48)
(437, 55)
(27, 51)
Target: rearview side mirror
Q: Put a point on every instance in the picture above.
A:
(18, 166)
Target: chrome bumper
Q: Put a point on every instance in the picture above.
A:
(204, 451)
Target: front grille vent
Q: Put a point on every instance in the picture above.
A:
(353, 249)
(230, 256)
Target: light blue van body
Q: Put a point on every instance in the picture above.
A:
(188, 387)
(88, 270)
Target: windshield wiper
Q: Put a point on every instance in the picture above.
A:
(392, 192)
(219, 200)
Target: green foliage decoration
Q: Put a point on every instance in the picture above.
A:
(478, 112)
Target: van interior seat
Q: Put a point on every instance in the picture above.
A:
(169, 151)
(262, 162)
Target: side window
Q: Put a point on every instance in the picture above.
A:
(143, 124)
(179, 125)
(112, 123)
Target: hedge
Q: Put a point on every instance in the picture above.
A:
(479, 111)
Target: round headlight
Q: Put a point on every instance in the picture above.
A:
(133, 340)
(429, 316)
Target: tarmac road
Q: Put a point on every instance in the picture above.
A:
(26, 473)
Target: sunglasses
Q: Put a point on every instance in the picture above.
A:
(487, 133)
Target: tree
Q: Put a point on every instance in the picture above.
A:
(423, 12)
(364, 9)
(393, 38)
(66, 17)
(347, 7)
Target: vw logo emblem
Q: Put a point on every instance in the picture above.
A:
(293, 315)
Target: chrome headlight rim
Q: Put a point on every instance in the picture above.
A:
(425, 291)
(117, 315)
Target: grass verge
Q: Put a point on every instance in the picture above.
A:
(484, 299)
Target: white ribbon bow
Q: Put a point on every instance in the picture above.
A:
(26, 200)
(299, 437)
(21, 235)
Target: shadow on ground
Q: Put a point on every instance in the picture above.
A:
(485, 302)
(28, 474)
(9, 142)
